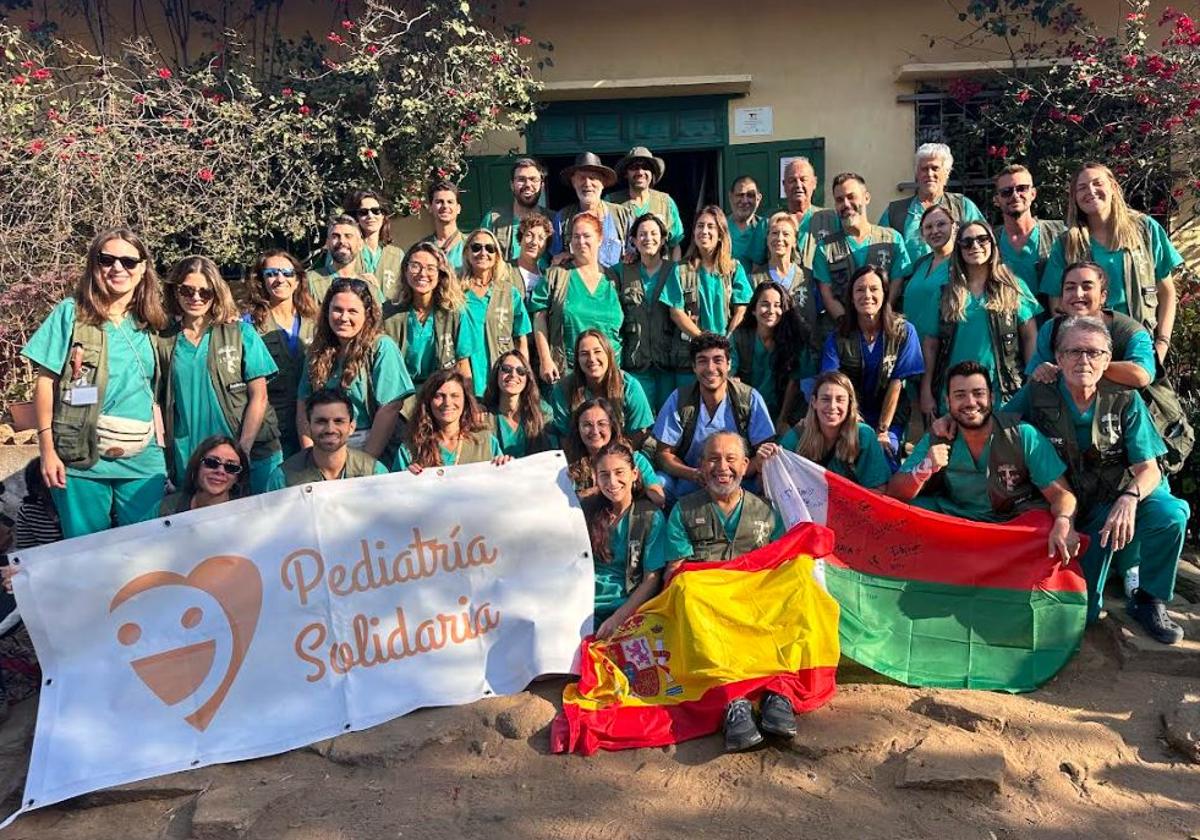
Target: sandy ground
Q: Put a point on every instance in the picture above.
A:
(1082, 757)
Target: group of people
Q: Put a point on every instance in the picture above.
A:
(668, 375)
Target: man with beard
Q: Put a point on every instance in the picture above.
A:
(992, 467)
(856, 244)
(343, 241)
(934, 162)
(528, 177)
(747, 230)
(641, 171)
(1026, 241)
(720, 522)
(1105, 434)
(813, 223)
(589, 178)
(444, 205)
(695, 412)
(330, 423)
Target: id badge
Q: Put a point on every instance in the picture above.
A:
(84, 395)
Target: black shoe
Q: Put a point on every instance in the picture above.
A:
(740, 731)
(778, 717)
(1151, 613)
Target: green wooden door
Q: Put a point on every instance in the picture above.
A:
(762, 162)
(487, 184)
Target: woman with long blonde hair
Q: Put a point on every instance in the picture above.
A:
(1133, 249)
(215, 368)
(495, 306)
(350, 352)
(986, 314)
(832, 435)
(709, 290)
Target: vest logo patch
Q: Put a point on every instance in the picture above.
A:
(1110, 426)
(762, 532)
(228, 357)
(635, 553)
(1010, 475)
(799, 293)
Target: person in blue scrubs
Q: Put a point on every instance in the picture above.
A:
(445, 208)
(520, 419)
(378, 257)
(923, 284)
(747, 230)
(218, 472)
(493, 300)
(769, 347)
(92, 479)
(1025, 241)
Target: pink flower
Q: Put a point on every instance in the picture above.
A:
(42, 74)
(497, 58)
(37, 146)
(1145, 127)
(20, 79)
(369, 154)
(372, 49)
(27, 64)
(334, 38)
(52, 115)
(1023, 96)
(1075, 118)
(522, 40)
(186, 123)
(414, 205)
(164, 73)
(1130, 60)
(347, 25)
(139, 99)
(205, 175)
(287, 92)
(305, 110)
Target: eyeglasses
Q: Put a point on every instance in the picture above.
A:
(195, 293)
(105, 260)
(1019, 189)
(982, 241)
(479, 247)
(1092, 354)
(509, 370)
(369, 211)
(415, 267)
(230, 467)
(272, 273)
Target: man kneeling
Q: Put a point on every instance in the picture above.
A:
(331, 422)
(717, 523)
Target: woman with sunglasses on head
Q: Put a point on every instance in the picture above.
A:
(929, 273)
(709, 290)
(985, 314)
(596, 374)
(350, 352)
(593, 425)
(516, 413)
(284, 313)
(571, 300)
(1132, 248)
(447, 428)
(625, 529)
(378, 257)
(94, 396)
(495, 309)
(218, 471)
(770, 348)
(216, 369)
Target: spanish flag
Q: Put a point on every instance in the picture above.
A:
(718, 631)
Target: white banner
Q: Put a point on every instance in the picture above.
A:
(269, 623)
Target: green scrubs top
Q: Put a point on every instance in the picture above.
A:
(871, 467)
(584, 310)
(761, 376)
(1166, 260)
(965, 483)
(198, 415)
(673, 222)
(278, 480)
(749, 246)
(1139, 350)
(1022, 263)
(610, 577)
(911, 234)
(900, 263)
(714, 314)
(677, 546)
(420, 347)
(474, 317)
(404, 457)
(514, 442)
(638, 414)
(389, 381)
(923, 291)
(455, 255)
(128, 394)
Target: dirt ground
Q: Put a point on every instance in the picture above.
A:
(1083, 757)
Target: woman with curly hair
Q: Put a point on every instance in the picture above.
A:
(284, 313)
(593, 425)
(596, 374)
(447, 428)
(350, 351)
(768, 346)
(515, 411)
(219, 471)
(378, 257)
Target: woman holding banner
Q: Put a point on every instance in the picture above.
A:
(218, 471)
(515, 412)
(594, 424)
(625, 528)
(447, 428)
(831, 435)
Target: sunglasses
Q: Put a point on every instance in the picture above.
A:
(509, 370)
(195, 293)
(349, 284)
(230, 467)
(1019, 189)
(369, 211)
(109, 260)
(983, 240)
(272, 273)
(480, 247)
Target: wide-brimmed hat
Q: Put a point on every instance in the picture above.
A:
(658, 166)
(589, 160)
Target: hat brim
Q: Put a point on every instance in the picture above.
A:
(607, 176)
(657, 165)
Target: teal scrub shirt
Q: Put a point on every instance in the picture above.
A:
(714, 312)
(610, 577)
(900, 263)
(923, 291)
(584, 310)
(1022, 263)
(749, 246)
(1139, 350)
(474, 320)
(389, 381)
(965, 479)
(1166, 260)
(636, 211)
(404, 457)
(636, 407)
(420, 346)
(514, 442)
(677, 546)
(911, 234)
(871, 467)
(760, 374)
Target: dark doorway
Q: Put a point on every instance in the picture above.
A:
(691, 179)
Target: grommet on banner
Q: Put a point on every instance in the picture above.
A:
(49, 680)
(166, 523)
(14, 561)
(346, 727)
(307, 488)
(441, 472)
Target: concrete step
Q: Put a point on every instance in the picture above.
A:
(1139, 652)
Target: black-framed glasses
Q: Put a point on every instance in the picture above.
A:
(369, 211)
(510, 370)
(203, 295)
(106, 260)
(1019, 189)
(213, 463)
(272, 273)
(1092, 354)
(982, 240)
(480, 247)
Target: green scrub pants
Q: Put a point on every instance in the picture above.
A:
(86, 505)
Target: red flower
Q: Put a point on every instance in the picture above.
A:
(217, 98)
(208, 142)
(139, 99)
(1130, 60)
(27, 64)
(305, 110)
(286, 92)
(1023, 96)
(334, 38)
(1193, 108)
(1145, 127)
(369, 153)
(20, 79)
(37, 146)
(1055, 114)
(347, 25)
(372, 49)
(205, 175)
(186, 123)
(1075, 118)
(164, 73)
(497, 58)
(414, 205)
(522, 40)
(52, 115)
(42, 74)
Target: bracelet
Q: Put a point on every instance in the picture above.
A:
(1162, 340)
(1131, 493)
(43, 430)
(1063, 516)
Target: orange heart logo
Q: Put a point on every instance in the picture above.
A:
(175, 674)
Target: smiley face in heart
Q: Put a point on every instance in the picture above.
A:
(214, 609)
